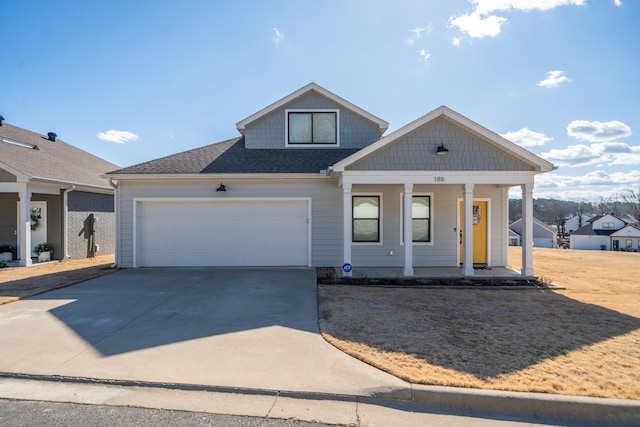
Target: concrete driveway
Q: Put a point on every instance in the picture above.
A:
(237, 328)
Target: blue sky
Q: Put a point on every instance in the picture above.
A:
(131, 81)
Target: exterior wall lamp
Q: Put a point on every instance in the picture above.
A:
(441, 151)
(221, 188)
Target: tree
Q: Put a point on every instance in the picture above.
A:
(632, 200)
(609, 205)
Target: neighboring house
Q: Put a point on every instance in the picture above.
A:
(606, 232)
(53, 192)
(543, 235)
(312, 182)
(576, 221)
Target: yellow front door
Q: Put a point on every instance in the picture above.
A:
(480, 219)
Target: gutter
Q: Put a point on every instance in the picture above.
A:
(65, 243)
(115, 211)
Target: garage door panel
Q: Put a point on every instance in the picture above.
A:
(222, 233)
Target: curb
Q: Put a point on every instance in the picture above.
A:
(573, 410)
(488, 404)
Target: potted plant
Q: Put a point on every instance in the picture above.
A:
(6, 253)
(44, 251)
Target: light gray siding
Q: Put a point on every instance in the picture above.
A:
(417, 151)
(444, 213)
(327, 221)
(326, 208)
(269, 131)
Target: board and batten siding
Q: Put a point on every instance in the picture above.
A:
(417, 152)
(326, 207)
(269, 131)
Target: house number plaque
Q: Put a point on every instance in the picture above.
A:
(439, 179)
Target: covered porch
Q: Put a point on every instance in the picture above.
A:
(460, 186)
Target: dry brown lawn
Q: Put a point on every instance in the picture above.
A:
(584, 340)
(21, 282)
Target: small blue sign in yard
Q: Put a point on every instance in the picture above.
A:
(346, 268)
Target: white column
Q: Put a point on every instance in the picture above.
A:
(527, 231)
(348, 225)
(24, 227)
(408, 230)
(467, 232)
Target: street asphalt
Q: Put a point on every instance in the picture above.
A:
(235, 341)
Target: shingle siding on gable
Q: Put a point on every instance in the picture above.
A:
(467, 152)
(269, 131)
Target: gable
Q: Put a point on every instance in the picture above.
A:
(628, 231)
(607, 222)
(416, 151)
(269, 130)
(6, 176)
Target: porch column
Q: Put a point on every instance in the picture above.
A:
(467, 235)
(408, 230)
(527, 231)
(24, 227)
(348, 224)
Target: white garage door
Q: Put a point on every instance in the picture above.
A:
(222, 233)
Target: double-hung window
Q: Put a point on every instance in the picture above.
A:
(312, 127)
(366, 218)
(420, 219)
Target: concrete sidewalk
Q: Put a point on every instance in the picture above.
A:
(249, 335)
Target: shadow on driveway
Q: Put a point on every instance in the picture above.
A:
(144, 308)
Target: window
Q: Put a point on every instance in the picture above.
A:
(312, 127)
(628, 244)
(608, 225)
(420, 219)
(366, 218)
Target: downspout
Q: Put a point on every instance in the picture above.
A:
(65, 242)
(115, 211)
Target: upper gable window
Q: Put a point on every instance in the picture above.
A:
(312, 127)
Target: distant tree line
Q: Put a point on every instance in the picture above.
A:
(556, 212)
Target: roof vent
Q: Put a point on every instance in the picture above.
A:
(52, 136)
(1, 119)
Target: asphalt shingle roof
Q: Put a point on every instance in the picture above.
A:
(233, 157)
(52, 160)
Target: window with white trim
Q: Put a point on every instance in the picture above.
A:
(420, 219)
(366, 219)
(312, 127)
(608, 225)
(628, 244)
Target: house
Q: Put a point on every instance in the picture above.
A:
(606, 232)
(576, 221)
(53, 192)
(311, 181)
(543, 235)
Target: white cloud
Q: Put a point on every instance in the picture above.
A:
(417, 33)
(118, 136)
(598, 131)
(526, 138)
(478, 26)
(424, 56)
(554, 79)
(483, 22)
(588, 187)
(455, 41)
(610, 153)
(277, 36)
(617, 2)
